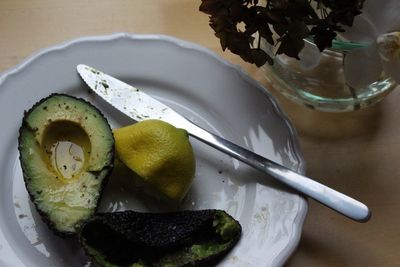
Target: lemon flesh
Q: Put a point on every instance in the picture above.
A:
(160, 154)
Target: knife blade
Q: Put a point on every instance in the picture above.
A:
(140, 106)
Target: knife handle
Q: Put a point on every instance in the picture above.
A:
(329, 197)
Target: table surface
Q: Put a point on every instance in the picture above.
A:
(355, 153)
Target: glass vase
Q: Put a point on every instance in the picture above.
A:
(321, 84)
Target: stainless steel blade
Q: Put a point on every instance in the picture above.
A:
(128, 99)
(139, 106)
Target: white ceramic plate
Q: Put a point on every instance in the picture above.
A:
(197, 83)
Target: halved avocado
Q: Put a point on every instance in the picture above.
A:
(183, 238)
(66, 151)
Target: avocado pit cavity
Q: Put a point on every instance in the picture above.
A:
(67, 149)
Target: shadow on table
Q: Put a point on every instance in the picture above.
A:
(331, 126)
(352, 153)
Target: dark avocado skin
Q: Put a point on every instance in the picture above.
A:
(27, 178)
(128, 237)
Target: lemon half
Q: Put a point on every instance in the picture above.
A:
(160, 154)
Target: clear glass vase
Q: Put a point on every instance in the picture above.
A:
(322, 85)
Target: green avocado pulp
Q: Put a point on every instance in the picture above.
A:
(225, 226)
(67, 149)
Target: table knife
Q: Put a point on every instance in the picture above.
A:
(140, 106)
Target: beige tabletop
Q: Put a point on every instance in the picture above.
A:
(356, 153)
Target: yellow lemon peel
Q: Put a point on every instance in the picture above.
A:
(160, 154)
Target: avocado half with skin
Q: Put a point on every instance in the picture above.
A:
(66, 151)
(183, 238)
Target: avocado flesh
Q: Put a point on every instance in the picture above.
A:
(66, 152)
(183, 238)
